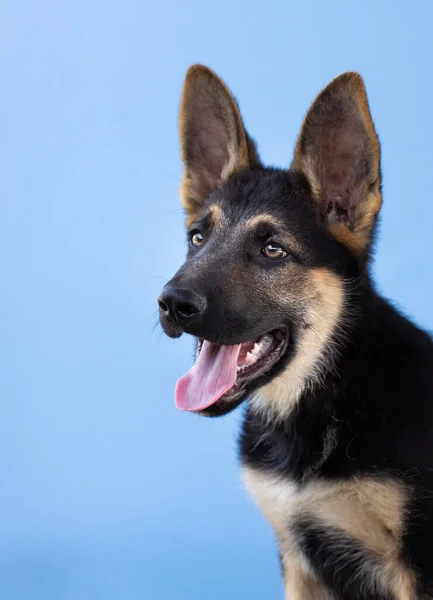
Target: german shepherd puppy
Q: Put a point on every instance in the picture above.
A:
(337, 440)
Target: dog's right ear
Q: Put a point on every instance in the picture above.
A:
(213, 140)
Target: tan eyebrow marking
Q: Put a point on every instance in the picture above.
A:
(215, 214)
(263, 219)
(211, 217)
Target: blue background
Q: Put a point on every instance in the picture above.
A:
(106, 491)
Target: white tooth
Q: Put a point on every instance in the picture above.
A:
(249, 359)
(256, 348)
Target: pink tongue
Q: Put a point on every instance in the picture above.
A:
(212, 375)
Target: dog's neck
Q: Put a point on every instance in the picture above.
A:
(322, 348)
(321, 413)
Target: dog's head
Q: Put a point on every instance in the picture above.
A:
(264, 287)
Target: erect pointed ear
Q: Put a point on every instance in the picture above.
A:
(338, 152)
(213, 140)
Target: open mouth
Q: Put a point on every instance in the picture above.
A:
(223, 372)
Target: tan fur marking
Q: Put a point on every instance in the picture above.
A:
(308, 168)
(299, 583)
(401, 580)
(359, 238)
(323, 296)
(215, 214)
(367, 510)
(263, 219)
(266, 219)
(190, 200)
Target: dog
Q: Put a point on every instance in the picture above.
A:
(337, 439)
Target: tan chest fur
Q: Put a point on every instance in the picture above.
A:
(367, 510)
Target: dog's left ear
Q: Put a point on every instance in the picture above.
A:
(338, 152)
(213, 140)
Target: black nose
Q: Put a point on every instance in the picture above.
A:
(181, 305)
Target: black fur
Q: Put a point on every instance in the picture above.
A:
(340, 563)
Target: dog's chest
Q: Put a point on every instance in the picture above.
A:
(365, 508)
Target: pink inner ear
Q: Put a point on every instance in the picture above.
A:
(212, 152)
(344, 168)
(211, 128)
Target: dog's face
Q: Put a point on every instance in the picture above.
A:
(270, 252)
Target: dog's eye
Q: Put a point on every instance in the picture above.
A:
(196, 239)
(272, 250)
